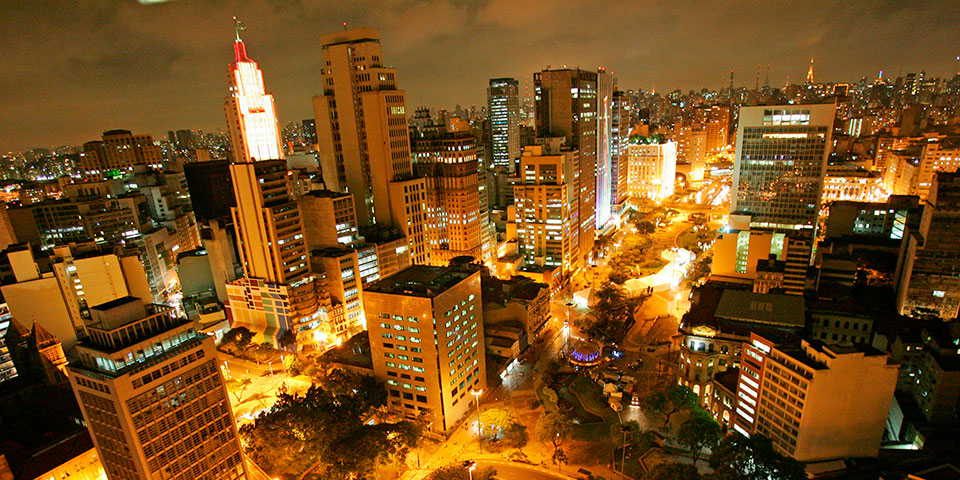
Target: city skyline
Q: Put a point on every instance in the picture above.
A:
(110, 63)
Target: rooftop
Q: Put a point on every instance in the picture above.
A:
(421, 281)
(745, 306)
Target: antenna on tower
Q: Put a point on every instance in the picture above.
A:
(766, 80)
(757, 86)
(344, 26)
(238, 25)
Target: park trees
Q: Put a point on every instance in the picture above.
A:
(495, 422)
(323, 430)
(553, 428)
(673, 471)
(738, 457)
(614, 312)
(241, 338)
(699, 432)
(668, 401)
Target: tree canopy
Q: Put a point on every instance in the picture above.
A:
(699, 432)
(495, 422)
(673, 471)
(738, 457)
(323, 430)
(553, 428)
(668, 401)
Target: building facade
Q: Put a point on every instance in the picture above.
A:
(503, 108)
(251, 113)
(426, 338)
(780, 164)
(651, 169)
(143, 375)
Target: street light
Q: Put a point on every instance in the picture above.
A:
(476, 396)
(471, 466)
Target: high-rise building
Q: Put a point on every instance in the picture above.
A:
(363, 137)
(153, 397)
(426, 338)
(928, 271)
(117, 154)
(277, 292)
(621, 124)
(781, 163)
(251, 114)
(651, 168)
(447, 161)
(567, 107)
(503, 108)
(545, 209)
(606, 84)
(691, 141)
(813, 401)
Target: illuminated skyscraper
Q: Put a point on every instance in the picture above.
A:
(251, 114)
(363, 137)
(781, 163)
(503, 107)
(567, 107)
(277, 292)
(606, 84)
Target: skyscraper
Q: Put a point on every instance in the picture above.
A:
(567, 107)
(152, 395)
(363, 137)
(606, 84)
(651, 168)
(277, 292)
(426, 339)
(620, 126)
(503, 108)
(928, 271)
(251, 114)
(549, 229)
(781, 163)
(448, 163)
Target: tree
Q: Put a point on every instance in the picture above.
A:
(516, 435)
(668, 401)
(324, 429)
(752, 458)
(240, 337)
(287, 339)
(619, 277)
(673, 471)
(242, 388)
(550, 399)
(495, 421)
(458, 471)
(646, 227)
(559, 458)
(553, 428)
(699, 432)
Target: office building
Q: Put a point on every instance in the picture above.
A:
(309, 133)
(251, 114)
(606, 85)
(448, 163)
(363, 137)
(152, 395)
(651, 168)
(873, 219)
(815, 402)
(106, 221)
(566, 103)
(277, 292)
(691, 141)
(426, 338)
(739, 250)
(503, 108)
(211, 189)
(117, 153)
(847, 184)
(620, 126)
(780, 164)
(928, 270)
(548, 226)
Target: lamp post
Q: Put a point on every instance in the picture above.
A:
(476, 397)
(471, 466)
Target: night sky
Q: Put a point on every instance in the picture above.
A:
(71, 69)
